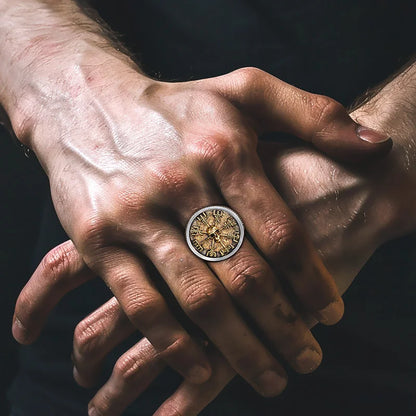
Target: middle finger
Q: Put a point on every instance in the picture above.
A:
(205, 301)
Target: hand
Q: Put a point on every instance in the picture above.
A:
(126, 151)
(331, 207)
(119, 148)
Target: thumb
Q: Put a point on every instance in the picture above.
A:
(274, 105)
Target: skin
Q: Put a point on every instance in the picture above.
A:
(119, 147)
(348, 212)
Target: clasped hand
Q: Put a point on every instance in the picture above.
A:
(134, 159)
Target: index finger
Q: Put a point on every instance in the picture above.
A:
(275, 105)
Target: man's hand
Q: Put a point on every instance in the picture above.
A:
(130, 159)
(128, 171)
(347, 212)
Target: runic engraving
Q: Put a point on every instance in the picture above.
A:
(196, 230)
(236, 236)
(217, 214)
(230, 222)
(214, 233)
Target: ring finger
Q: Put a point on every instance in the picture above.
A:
(206, 302)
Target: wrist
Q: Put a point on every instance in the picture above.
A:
(51, 54)
(54, 89)
(392, 111)
(335, 204)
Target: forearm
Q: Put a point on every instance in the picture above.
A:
(51, 51)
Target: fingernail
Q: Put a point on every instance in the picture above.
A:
(19, 331)
(199, 374)
(308, 360)
(270, 383)
(371, 136)
(332, 313)
(92, 411)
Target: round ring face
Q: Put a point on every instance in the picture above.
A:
(215, 233)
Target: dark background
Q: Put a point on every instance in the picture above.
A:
(382, 299)
(22, 187)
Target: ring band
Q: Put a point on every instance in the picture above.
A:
(215, 233)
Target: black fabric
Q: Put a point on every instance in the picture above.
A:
(335, 48)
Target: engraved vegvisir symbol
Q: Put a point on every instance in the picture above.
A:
(215, 233)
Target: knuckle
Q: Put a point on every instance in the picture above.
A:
(217, 146)
(144, 310)
(248, 277)
(109, 401)
(204, 302)
(180, 346)
(104, 405)
(325, 110)
(181, 264)
(223, 150)
(86, 339)
(166, 249)
(57, 262)
(126, 368)
(247, 77)
(286, 238)
(94, 231)
(171, 408)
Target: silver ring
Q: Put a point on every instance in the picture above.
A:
(215, 233)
